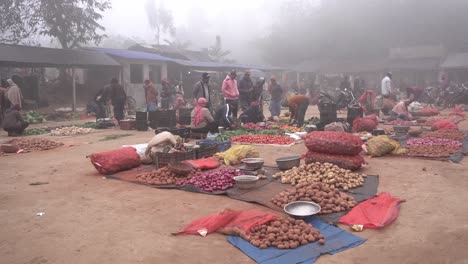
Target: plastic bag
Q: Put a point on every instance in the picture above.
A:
(209, 224)
(377, 212)
(365, 124)
(204, 164)
(332, 142)
(342, 161)
(235, 154)
(335, 126)
(115, 160)
(381, 145)
(444, 124)
(245, 221)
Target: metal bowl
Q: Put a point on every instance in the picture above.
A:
(253, 163)
(179, 168)
(302, 208)
(246, 181)
(289, 162)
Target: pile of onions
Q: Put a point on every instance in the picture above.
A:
(430, 141)
(215, 180)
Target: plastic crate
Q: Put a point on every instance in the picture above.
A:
(141, 125)
(141, 116)
(206, 152)
(163, 159)
(127, 124)
(221, 146)
(162, 118)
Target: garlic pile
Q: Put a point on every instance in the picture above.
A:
(70, 131)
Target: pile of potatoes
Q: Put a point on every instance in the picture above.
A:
(330, 199)
(322, 172)
(284, 233)
(162, 176)
(34, 144)
(70, 131)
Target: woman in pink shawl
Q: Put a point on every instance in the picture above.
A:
(14, 94)
(202, 120)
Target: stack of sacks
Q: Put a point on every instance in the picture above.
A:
(367, 123)
(338, 148)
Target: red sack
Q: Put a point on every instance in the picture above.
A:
(428, 112)
(209, 224)
(245, 220)
(444, 124)
(377, 212)
(364, 124)
(204, 164)
(115, 160)
(458, 111)
(342, 161)
(333, 142)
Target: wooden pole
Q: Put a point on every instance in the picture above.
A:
(74, 90)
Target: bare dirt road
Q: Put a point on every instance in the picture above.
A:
(89, 219)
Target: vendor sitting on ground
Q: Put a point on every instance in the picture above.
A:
(224, 115)
(400, 110)
(252, 114)
(202, 120)
(298, 105)
(13, 122)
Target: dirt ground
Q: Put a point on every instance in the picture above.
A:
(89, 219)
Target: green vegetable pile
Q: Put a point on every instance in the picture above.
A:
(35, 131)
(88, 125)
(33, 117)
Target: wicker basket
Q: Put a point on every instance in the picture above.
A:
(207, 151)
(163, 159)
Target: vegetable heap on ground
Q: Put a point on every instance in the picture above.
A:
(31, 144)
(253, 126)
(330, 199)
(33, 117)
(34, 131)
(284, 234)
(162, 176)
(263, 139)
(70, 131)
(429, 141)
(448, 134)
(432, 147)
(321, 173)
(214, 180)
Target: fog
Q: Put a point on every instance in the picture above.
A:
(239, 23)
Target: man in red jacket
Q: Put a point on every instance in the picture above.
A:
(298, 105)
(231, 92)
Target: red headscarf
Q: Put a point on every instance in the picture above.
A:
(198, 117)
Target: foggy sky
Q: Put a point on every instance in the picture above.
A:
(239, 23)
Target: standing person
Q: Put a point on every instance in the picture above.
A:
(231, 93)
(14, 123)
(3, 98)
(276, 93)
(201, 119)
(357, 86)
(245, 91)
(118, 99)
(386, 86)
(166, 94)
(298, 105)
(14, 94)
(202, 90)
(258, 92)
(151, 96)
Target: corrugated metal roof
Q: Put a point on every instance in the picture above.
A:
(131, 54)
(456, 60)
(27, 56)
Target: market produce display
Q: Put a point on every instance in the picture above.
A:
(33, 117)
(342, 161)
(444, 125)
(236, 154)
(427, 112)
(364, 124)
(35, 131)
(431, 151)
(321, 173)
(284, 233)
(253, 126)
(330, 199)
(333, 142)
(162, 176)
(290, 129)
(381, 145)
(33, 144)
(70, 131)
(433, 141)
(453, 118)
(263, 139)
(448, 134)
(215, 180)
(401, 123)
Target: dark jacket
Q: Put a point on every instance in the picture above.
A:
(199, 90)
(13, 120)
(245, 87)
(252, 115)
(276, 92)
(117, 93)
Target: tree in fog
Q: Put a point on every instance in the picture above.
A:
(71, 22)
(216, 51)
(160, 19)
